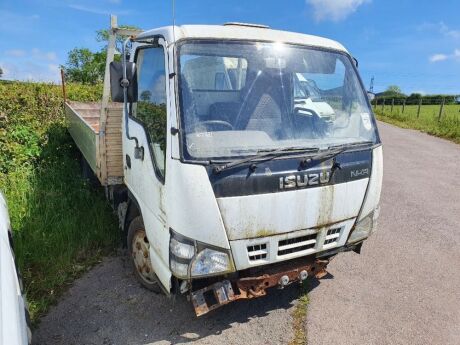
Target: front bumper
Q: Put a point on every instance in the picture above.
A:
(223, 292)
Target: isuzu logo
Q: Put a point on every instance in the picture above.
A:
(304, 180)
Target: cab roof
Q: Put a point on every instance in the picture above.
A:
(241, 31)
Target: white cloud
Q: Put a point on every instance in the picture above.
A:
(30, 65)
(438, 57)
(334, 10)
(94, 10)
(42, 55)
(15, 52)
(440, 27)
(30, 71)
(445, 30)
(15, 23)
(442, 57)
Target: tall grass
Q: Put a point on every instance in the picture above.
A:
(61, 225)
(448, 126)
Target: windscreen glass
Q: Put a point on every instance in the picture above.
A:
(238, 98)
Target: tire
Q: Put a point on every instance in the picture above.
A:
(138, 249)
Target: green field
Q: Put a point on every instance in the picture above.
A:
(448, 126)
(61, 225)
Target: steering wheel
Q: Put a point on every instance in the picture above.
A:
(210, 123)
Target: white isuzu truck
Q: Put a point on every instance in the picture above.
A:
(238, 157)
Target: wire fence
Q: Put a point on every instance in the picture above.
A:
(425, 108)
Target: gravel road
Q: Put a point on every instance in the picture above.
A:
(404, 288)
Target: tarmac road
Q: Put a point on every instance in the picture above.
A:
(404, 288)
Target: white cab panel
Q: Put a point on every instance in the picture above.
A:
(276, 213)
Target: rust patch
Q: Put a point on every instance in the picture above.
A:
(221, 293)
(265, 233)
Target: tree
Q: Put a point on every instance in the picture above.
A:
(87, 67)
(84, 66)
(1, 72)
(393, 89)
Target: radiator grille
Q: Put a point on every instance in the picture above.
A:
(257, 252)
(296, 244)
(332, 235)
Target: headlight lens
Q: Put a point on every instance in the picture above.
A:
(183, 257)
(210, 261)
(179, 269)
(365, 227)
(181, 250)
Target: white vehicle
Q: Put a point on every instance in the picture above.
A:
(14, 329)
(241, 157)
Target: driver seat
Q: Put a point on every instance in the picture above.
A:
(262, 110)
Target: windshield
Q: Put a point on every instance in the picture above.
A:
(238, 98)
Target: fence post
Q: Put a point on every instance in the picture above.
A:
(64, 95)
(404, 105)
(441, 108)
(392, 104)
(419, 105)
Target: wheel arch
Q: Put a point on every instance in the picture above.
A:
(133, 210)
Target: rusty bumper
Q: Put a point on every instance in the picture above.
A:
(224, 292)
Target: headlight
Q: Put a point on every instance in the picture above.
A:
(188, 258)
(210, 261)
(180, 249)
(365, 227)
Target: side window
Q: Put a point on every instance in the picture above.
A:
(151, 104)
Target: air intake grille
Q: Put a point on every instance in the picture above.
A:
(257, 252)
(297, 244)
(332, 236)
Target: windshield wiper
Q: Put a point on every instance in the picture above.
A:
(333, 151)
(269, 154)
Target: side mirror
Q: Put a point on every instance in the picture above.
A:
(370, 95)
(116, 77)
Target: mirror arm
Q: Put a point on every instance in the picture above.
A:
(138, 151)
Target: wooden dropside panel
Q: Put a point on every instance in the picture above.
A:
(113, 144)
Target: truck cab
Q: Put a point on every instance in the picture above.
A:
(251, 156)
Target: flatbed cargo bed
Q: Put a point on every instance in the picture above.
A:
(98, 136)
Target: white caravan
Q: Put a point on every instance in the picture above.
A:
(14, 328)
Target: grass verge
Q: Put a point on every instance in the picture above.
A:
(61, 225)
(299, 316)
(448, 127)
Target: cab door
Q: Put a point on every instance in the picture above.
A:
(145, 173)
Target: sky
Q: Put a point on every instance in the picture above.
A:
(409, 43)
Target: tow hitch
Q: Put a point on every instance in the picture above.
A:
(221, 293)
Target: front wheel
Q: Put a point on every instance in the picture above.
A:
(138, 247)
